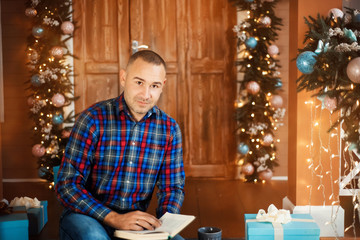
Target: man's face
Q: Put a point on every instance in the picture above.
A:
(143, 84)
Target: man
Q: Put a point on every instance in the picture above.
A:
(118, 150)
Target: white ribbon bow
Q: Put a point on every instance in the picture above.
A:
(274, 215)
(25, 201)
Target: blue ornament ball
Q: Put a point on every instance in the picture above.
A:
(357, 18)
(305, 62)
(42, 171)
(278, 83)
(251, 42)
(35, 80)
(58, 118)
(38, 31)
(243, 148)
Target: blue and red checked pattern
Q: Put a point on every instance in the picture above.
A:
(113, 162)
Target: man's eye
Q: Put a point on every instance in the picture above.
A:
(139, 83)
(155, 86)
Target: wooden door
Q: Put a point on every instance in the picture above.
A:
(195, 38)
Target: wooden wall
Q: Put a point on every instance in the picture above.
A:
(17, 161)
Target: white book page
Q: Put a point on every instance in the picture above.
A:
(174, 223)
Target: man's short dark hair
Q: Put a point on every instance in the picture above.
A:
(148, 56)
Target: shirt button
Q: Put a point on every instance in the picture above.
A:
(130, 162)
(133, 143)
(128, 181)
(123, 199)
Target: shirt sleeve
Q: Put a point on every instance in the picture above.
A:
(75, 169)
(172, 176)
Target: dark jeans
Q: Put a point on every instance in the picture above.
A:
(76, 226)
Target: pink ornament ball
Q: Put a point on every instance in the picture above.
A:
(265, 20)
(276, 101)
(67, 27)
(266, 175)
(330, 103)
(247, 169)
(353, 70)
(58, 100)
(337, 13)
(273, 50)
(268, 139)
(252, 87)
(30, 101)
(38, 150)
(57, 52)
(30, 12)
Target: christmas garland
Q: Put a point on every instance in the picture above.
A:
(330, 64)
(259, 109)
(49, 85)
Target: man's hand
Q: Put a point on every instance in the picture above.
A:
(136, 220)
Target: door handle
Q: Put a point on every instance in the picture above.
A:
(135, 46)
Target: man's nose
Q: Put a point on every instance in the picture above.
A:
(146, 92)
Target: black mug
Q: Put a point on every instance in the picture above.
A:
(209, 233)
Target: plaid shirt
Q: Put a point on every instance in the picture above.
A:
(112, 162)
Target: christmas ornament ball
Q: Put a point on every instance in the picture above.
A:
(337, 13)
(251, 42)
(38, 31)
(58, 118)
(58, 100)
(265, 20)
(35, 80)
(30, 12)
(42, 171)
(249, 1)
(273, 50)
(247, 169)
(353, 70)
(330, 103)
(276, 101)
(266, 175)
(252, 87)
(268, 139)
(57, 52)
(305, 62)
(38, 150)
(67, 27)
(243, 148)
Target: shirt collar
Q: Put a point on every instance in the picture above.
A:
(123, 108)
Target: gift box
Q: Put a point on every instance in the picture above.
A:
(37, 217)
(56, 170)
(14, 226)
(301, 227)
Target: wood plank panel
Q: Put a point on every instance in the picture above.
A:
(101, 87)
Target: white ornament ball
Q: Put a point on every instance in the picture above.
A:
(67, 27)
(273, 50)
(30, 101)
(276, 101)
(266, 175)
(337, 13)
(252, 87)
(268, 139)
(58, 100)
(265, 20)
(57, 52)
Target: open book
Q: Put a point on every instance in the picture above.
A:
(171, 225)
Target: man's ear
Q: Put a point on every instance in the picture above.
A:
(165, 81)
(122, 77)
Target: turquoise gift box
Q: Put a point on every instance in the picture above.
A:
(37, 217)
(294, 230)
(15, 226)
